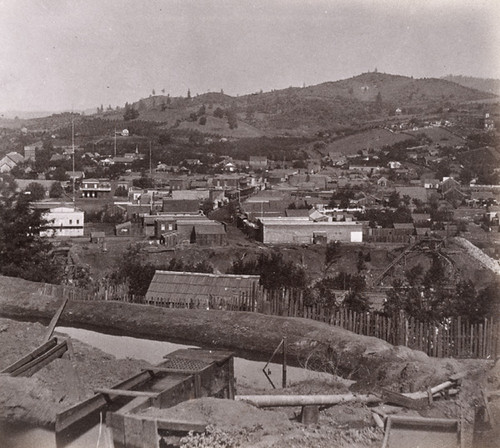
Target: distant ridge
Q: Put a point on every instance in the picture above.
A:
(489, 85)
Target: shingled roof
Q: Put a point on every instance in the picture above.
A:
(177, 287)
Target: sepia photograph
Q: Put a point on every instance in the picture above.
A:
(249, 223)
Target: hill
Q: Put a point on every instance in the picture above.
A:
(489, 85)
(330, 105)
(294, 111)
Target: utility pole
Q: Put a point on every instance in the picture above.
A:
(115, 141)
(73, 150)
(150, 169)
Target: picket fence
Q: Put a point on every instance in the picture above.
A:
(455, 338)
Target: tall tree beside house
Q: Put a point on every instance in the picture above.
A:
(56, 190)
(23, 253)
(35, 191)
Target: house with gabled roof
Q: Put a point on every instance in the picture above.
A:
(9, 161)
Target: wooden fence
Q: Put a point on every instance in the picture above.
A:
(109, 292)
(245, 301)
(456, 338)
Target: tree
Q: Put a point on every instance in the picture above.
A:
(274, 271)
(332, 254)
(143, 182)
(394, 199)
(232, 119)
(202, 121)
(56, 190)
(378, 103)
(130, 113)
(23, 252)
(189, 94)
(121, 191)
(35, 191)
(134, 271)
(59, 174)
(218, 113)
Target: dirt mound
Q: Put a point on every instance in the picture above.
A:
(225, 414)
(60, 384)
(27, 400)
(233, 423)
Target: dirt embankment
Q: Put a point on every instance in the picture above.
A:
(370, 361)
(60, 384)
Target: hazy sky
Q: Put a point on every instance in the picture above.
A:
(63, 54)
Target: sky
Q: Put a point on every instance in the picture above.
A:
(78, 54)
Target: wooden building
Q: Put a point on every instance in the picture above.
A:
(200, 290)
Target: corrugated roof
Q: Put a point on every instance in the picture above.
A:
(183, 286)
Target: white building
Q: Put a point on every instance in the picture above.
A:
(64, 221)
(303, 230)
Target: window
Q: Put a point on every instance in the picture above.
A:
(78, 221)
(70, 221)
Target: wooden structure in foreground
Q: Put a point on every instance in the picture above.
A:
(185, 374)
(38, 358)
(406, 432)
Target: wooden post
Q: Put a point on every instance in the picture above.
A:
(283, 379)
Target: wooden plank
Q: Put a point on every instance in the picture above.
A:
(396, 398)
(424, 422)
(41, 361)
(133, 432)
(81, 410)
(387, 433)
(171, 370)
(31, 356)
(54, 320)
(125, 392)
(181, 426)
(150, 434)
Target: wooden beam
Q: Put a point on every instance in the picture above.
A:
(54, 320)
(125, 392)
(41, 361)
(396, 398)
(424, 422)
(177, 425)
(93, 404)
(31, 356)
(305, 400)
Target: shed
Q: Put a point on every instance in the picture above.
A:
(97, 237)
(193, 289)
(210, 234)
